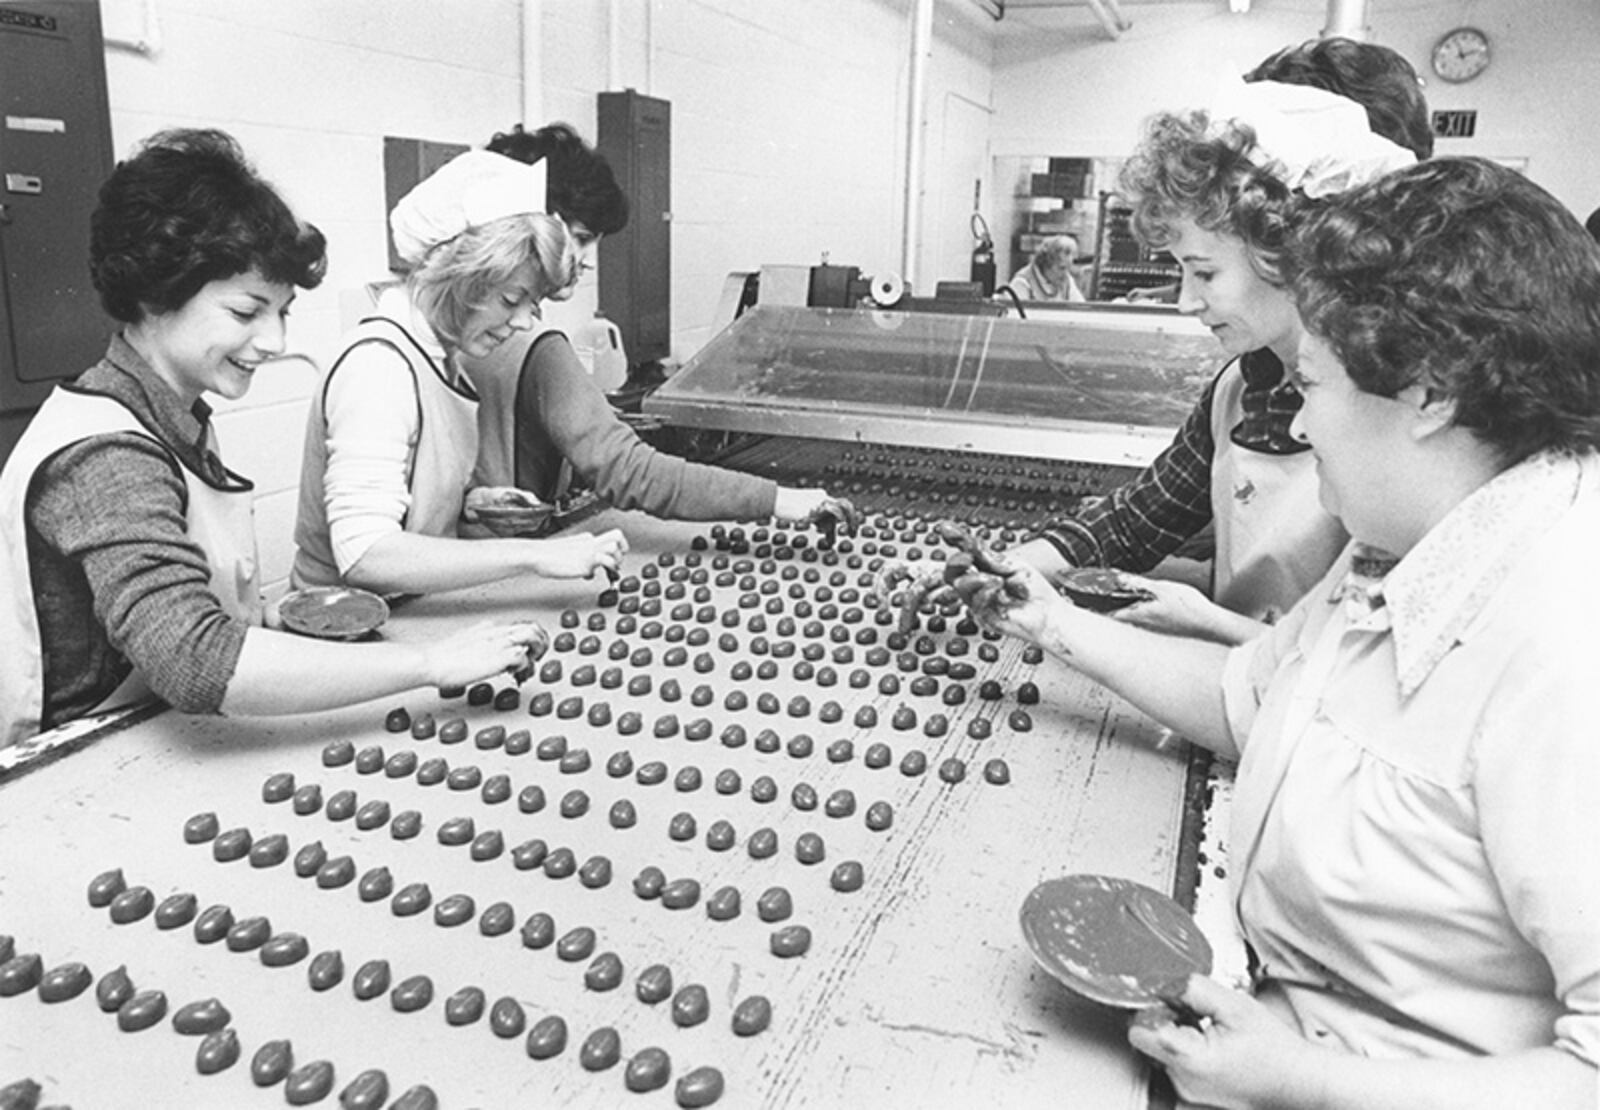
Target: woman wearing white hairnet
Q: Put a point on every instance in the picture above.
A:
(393, 431)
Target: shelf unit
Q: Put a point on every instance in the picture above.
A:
(1122, 263)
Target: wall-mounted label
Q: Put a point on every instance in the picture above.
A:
(28, 21)
(24, 183)
(36, 123)
(1461, 123)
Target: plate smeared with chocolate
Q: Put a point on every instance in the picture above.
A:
(1112, 940)
(333, 612)
(1100, 589)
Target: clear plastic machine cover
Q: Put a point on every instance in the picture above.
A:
(1110, 390)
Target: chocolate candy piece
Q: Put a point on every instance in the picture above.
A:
(284, 949)
(560, 863)
(914, 763)
(531, 799)
(467, 777)
(690, 1006)
(623, 815)
(595, 872)
(411, 994)
(506, 1018)
(775, 904)
(574, 803)
(723, 905)
(200, 828)
(727, 781)
(64, 982)
(1019, 721)
(997, 772)
(326, 970)
(953, 770)
(453, 731)
(979, 728)
(1033, 653)
(518, 742)
(141, 1011)
(649, 882)
(249, 934)
(307, 800)
(480, 693)
(376, 885)
(791, 940)
(337, 753)
(219, 1051)
(205, 1016)
(278, 787)
(551, 748)
(701, 1087)
(507, 699)
(214, 923)
(763, 789)
(654, 984)
(601, 1049)
(752, 1015)
(337, 872)
(457, 831)
(497, 920)
(423, 726)
(367, 1091)
(547, 1038)
(847, 877)
(767, 741)
(762, 843)
(341, 807)
(650, 774)
(453, 910)
(681, 827)
(411, 899)
(309, 859)
(529, 854)
(649, 1070)
(133, 904)
(990, 690)
(578, 944)
(604, 973)
(803, 796)
(371, 979)
(308, 1084)
(271, 1063)
(113, 989)
(372, 815)
(720, 836)
(680, 894)
(272, 850)
(841, 751)
(808, 848)
(21, 1095)
(465, 1006)
(841, 803)
(538, 931)
(105, 887)
(487, 846)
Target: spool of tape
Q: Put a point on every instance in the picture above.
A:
(887, 289)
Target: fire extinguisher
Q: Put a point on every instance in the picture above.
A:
(982, 255)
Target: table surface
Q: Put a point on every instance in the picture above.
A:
(916, 992)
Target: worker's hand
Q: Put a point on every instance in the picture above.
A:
(1178, 609)
(1238, 1053)
(580, 554)
(506, 510)
(1009, 597)
(484, 651)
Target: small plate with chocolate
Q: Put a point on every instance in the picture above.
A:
(333, 612)
(1100, 589)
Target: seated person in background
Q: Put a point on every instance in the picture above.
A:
(543, 420)
(128, 548)
(1048, 274)
(392, 437)
(1223, 198)
(1413, 829)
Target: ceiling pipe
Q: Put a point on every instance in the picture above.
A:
(1347, 19)
(916, 134)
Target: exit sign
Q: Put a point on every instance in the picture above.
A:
(1456, 124)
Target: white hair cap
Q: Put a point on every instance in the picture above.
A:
(470, 190)
(1311, 139)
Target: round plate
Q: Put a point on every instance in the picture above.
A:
(333, 612)
(1113, 940)
(1100, 589)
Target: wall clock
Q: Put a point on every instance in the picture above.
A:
(1461, 54)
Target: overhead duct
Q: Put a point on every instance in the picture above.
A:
(1347, 19)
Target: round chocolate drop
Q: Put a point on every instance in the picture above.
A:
(601, 1050)
(465, 1006)
(723, 905)
(654, 984)
(576, 944)
(763, 789)
(728, 781)
(690, 1006)
(341, 807)
(681, 827)
(133, 904)
(847, 877)
(371, 980)
(866, 717)
(604, 973)
(914, 763)
(680, 894)
(979, 728)
(791, 940)
(496, 789)
(497, 919)
(307, 800)
(547, 1038)
(803, 796)
(411, 900)
(720, 836)
(620, 764)
(64, 982)
(431, 772)
(801, 746)
(218, 1051)
(629, 723)
(336, 872)
(423, 726)
(411, 994)
(457, 831)
(338, 753)
(518, 742)
(688, 779)
(701, 1087)
(1019, 721)
(529, 854)
(997, 772)
(453, 910)
(841, 803)
(467, 777)
(199, 829)
(284, 949)
(530, 799)
(574, 803)
(401, 764)
(141, 1011)
(762, 844)
(369, 760)
(953, 770)
(649, 1070)
(490, 738)
(231, 845)
(595, 872)
(326, 970)
(809, 848)
(309, 1083)
(1033, 653)
(205, 1016)
(752, 1015)
(372, 815)
(651, 774)
(649, 882)
(880, 815)
(271, 1063)
(367, 1091)
(775, 904)
(248, 934)
(278, 787)
(113, 989)
(213, 924)
(406, 824)
(453, 731)
(623, 815)
(539, 931)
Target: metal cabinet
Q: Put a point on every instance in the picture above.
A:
(636, 263)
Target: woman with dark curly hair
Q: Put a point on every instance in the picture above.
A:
(1414, 822)
(128, 547)
(1221, 189)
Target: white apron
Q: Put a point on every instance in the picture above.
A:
(220, 522)
(1274, 539)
